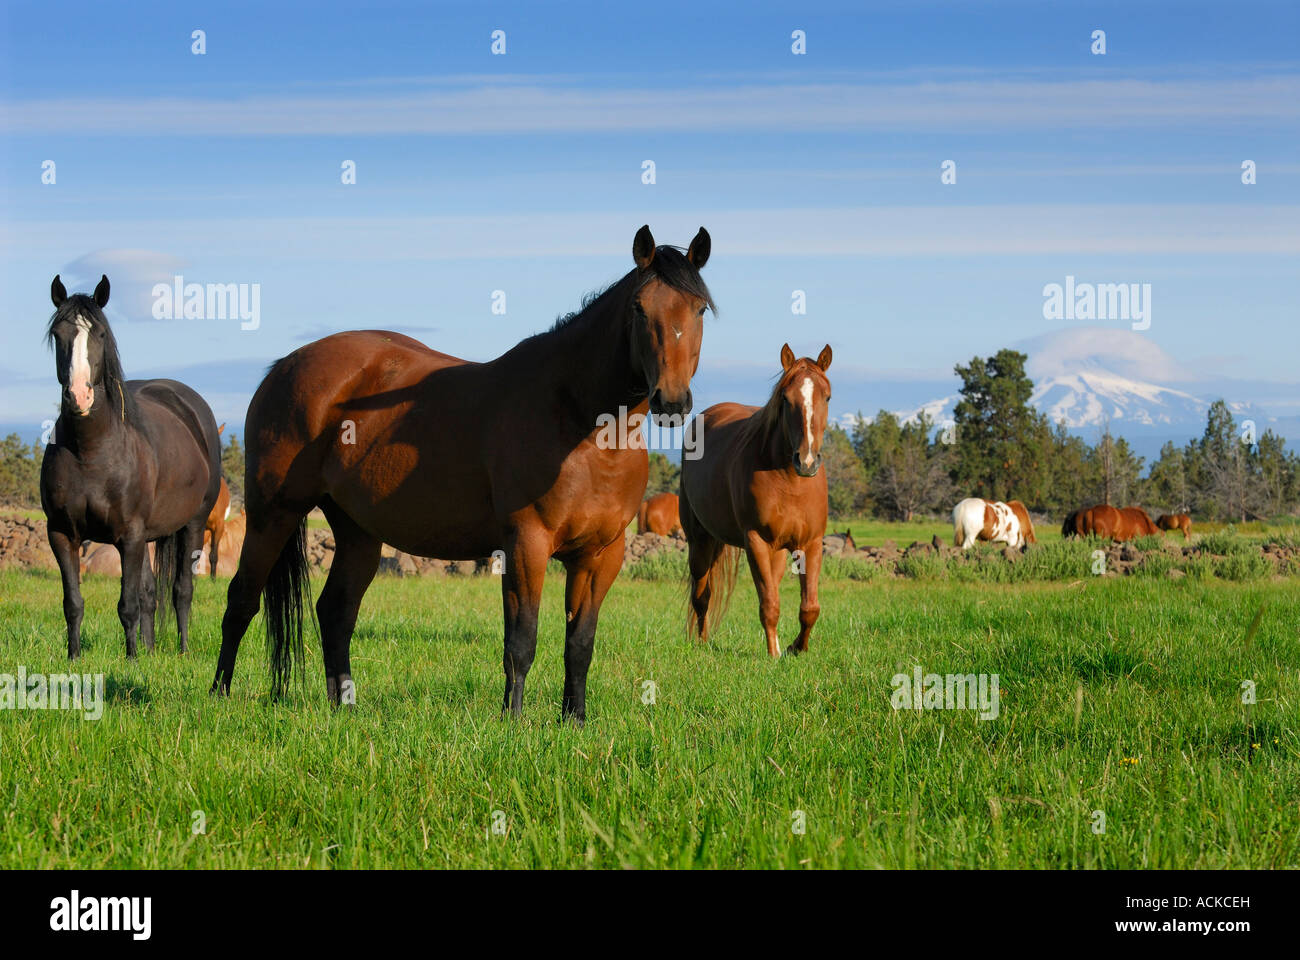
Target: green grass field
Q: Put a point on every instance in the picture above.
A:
(1118, 695)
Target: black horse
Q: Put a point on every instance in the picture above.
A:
(132, 462)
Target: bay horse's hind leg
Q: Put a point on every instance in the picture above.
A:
(133, 553)
(356, 558)
(809, 608)
(262, 545)
(589, 579)
(148, 601)
(68, 554)
(190, 542)
(701, 554)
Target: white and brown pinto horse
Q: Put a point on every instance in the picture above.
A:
(991, 520)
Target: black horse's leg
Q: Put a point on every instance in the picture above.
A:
(190, 538)
(521, 594)
(133, 551)
(356, 558)
(148, 601)
(262, 545)
(590, 577)
(68, 554)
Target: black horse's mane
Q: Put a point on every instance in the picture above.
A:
(116, 394)
(670, 265)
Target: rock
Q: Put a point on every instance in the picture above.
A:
(1174, 574)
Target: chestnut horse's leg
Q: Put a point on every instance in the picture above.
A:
(262, 546)
(766, 566)
(356, 558)
(809, 608)
(133, 551)
(521, 594)
(68, 554)
(589, 578)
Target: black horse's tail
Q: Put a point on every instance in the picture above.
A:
(286, 595)
(166, 562)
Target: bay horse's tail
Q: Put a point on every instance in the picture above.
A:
(720, 583)
(166, 562)
(286, 594)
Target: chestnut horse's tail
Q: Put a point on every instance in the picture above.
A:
(721, 581)
(286, 595)
(641, 512)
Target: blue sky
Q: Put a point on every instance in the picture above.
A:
(522, 173)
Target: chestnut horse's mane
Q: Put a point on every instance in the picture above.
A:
(766, 420)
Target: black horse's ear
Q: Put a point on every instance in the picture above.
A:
(698, 253)
(57, 293)
(643, 247)
(101, 291)
(824, 358)
(787, 357)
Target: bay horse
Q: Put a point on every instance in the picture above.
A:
(658, 514)
(442, 457)
(992, 521)
(758, 486)
(215, 527)
(1176, 521)
(131, 462)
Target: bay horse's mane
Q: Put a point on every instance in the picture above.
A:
(669, 265)
(768, 418)
(81, 305)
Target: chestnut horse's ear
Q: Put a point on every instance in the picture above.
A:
(221, 429)
(698, 252)
(824, 358)
(787, 357)
(101, 291)
(57, 293)
(643, 247)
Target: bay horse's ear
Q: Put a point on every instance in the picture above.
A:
(101, 291)
(824, 358)
(787, 357)
(57, 292)
(698, 252)
(643, 247)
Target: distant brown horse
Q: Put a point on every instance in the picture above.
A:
(658, 514)
(216, 525)
(758, 485)
(537, 453)
(1176, 521)
(1110, 523)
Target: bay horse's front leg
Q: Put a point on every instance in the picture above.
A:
(809, 608)
(590, 577)
(189, 537)
(521, 595)
(133, 551)
(766, 566)
(68, 554)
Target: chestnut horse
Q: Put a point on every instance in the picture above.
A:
(215, 527)
(441, 457)
(132, 462)
(658, 514)
(1110, 523)
(1176, 521)
(758, 486)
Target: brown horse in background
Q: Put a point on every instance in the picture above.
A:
(1110, 523)
(658, 514)
(216, 524)
(1176, 521)
(758, 486)
(538, 453)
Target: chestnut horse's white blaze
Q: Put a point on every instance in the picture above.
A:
(992, 520)
(806, 391)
